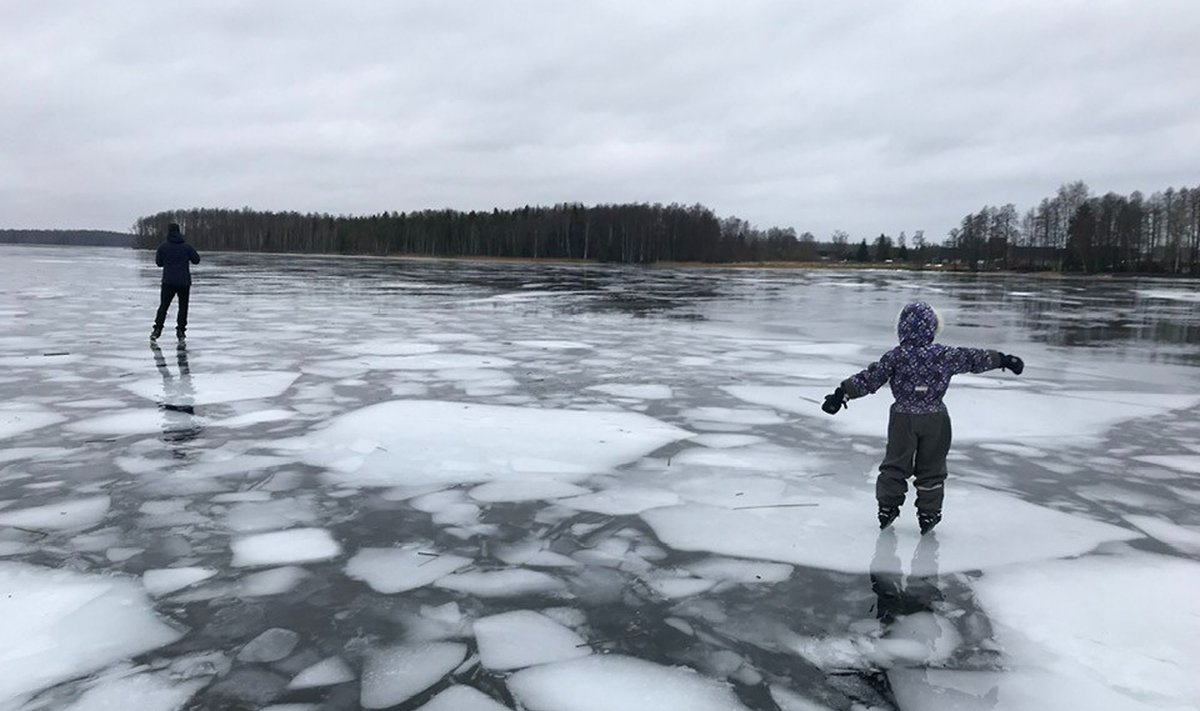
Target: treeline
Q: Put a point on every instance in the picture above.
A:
(82, 238)
(634, 233)
(1077, 231)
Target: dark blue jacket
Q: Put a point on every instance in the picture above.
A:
(173, 256)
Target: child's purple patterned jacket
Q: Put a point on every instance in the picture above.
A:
(918, 369)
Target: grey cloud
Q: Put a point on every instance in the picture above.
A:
(862, 116)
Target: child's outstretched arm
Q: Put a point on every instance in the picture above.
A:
(862, 383)
(979, 360)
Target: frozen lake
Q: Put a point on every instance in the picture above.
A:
(470, 486)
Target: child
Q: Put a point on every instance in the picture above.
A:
(918, 426)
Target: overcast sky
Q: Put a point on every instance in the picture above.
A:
(865, 116)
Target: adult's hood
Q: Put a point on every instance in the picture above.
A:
(175, 237)
(918, 324)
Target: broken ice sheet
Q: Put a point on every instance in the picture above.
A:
(298, 545)
(395, 674)
(522, 638)
(93, 621)
(394, 570)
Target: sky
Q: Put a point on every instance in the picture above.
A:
(856, 115)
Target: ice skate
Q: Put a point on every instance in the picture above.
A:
(887, 514)
(927, 520)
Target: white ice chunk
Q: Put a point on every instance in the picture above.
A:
(637, 392)
(223, 387)
(326, 672)
(617, 683)
(740, 571)
(501, 583)
(536, 490)
(60, 625)
(162, 581)
(463, 698)
(272, 582)
(523, 638)
(19, 418)
(254, 418)
(555, 345)
(270, 646)
(673, 587)
(1128, 622)
(1185, 539)
(534, 554)
(393, 570)
(463, 442)
(298, 545)
(395, 674)
(132, 422)
(1042, 415)
(148, 692)
(1187, 463)
(622, 500)
(989, 529)
(1017, 689)
(61, 516)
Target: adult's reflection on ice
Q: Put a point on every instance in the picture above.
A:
(180, 424)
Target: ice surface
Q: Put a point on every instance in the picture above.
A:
(270, 646)
(393, 570)
(636, 392)
(61, 516)
(394, 674)
(617, 683)
(501, 583)
(789, 700)
(59, 625)
(839, 532)
(1189, 463)
(162, 581)
(994, 415)
(298, 545)
(254, 418)
(133, 422)
(463, 698)
(464, 442)
(537, 490)
(534, 553)
(18, 418)
(327, 672)
(1127, 622)
(213, 388)
(272, 582)
(622, 501)
(267, 515)
(1185, 539)
(523, 638)
(145, 692)
(740, 571)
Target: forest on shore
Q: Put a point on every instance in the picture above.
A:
(1072, 230)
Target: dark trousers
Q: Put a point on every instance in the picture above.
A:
(917, 447)
(164, 302)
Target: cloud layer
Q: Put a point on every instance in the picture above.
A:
(854, 115)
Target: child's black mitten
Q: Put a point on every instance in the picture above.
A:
(835, 401)
(1011, 362)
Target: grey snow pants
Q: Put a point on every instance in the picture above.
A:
(917, 447)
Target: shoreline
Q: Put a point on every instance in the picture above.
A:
(782, 266)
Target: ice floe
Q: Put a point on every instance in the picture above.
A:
(413, 442)
(839, 533)
(392, 675)
(18, 418)
(162, 581)
(537, 490)
(463, 698)
(213, 388)
(393, 570)
(60, 625)
(327, 672)
(618, 683)
(501, 583)
(523, 638)
(146, 692)
(60, 516)
(298, 545)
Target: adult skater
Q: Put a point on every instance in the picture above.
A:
(174, 256)
(919, 371)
